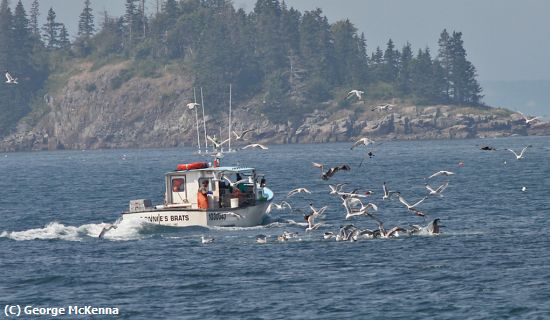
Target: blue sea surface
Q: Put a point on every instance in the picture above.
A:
(490, 262)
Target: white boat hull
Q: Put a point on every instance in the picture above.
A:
(183, 217)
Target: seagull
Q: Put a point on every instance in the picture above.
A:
(297, 190)
(363, 141)
(278, 206)
(441, 173)
(383, 107)
(356, 93)
(336, 189)
(333, 170)
(438, 191)
(206, 240)
(387, 194)
(192, 105)
(261, 238)
(10, 79)
(363, 211)
(524, 188)
(105, 229)
(256, 145)
(527, 121)
(433, 228)
(310, 218)
(241, 135)
(217, 144)
(394, 232)
(520, 156)
(345, 233)
(412, 207)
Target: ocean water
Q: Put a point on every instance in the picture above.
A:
(490, 262)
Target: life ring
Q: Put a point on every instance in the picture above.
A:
(191, 166)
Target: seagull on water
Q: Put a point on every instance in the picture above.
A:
(297, 190)
(10, 79)
(261, 238)
(520, 155)
(433, 228)
(356, 93)
(393, 232)
(205, 240)
(438, 191)
(441, 173)
(527, 120)
(412, 207)
(256, 145)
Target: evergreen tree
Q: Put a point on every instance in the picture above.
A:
(267, 23)
(445, 59)
(132, 22)
(86, 27)
(51, 30)
(6, 34)
(33, 23)
(404, 78)
(22, 48)
(64, 42)
(391, 63)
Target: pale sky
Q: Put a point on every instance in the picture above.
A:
(505, 39)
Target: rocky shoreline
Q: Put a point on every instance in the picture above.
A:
(89, 113)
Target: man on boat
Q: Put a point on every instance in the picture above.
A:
(202, 195)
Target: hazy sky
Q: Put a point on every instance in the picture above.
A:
(504, 39)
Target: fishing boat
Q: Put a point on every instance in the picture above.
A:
(208, 195)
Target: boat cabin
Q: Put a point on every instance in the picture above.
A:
(227, 187)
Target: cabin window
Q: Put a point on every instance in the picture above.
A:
(178, 184)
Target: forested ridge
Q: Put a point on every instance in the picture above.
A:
(292, 61)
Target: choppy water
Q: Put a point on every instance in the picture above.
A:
(491, 262)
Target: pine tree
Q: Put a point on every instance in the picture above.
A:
(33, 23)
(391, 63)
(64, 42)
(445, 59)
(404, 78)
(51, 30)
(22, 48)
(267, 23)
(86, 27)
(6, 34)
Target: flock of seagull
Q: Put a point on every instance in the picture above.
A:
(357, 205)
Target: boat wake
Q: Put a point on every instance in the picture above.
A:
(125, 230)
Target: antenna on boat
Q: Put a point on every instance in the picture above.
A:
(197, 120)
(204, 124)
(229, 148)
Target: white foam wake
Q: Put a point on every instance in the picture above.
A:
(125, 230)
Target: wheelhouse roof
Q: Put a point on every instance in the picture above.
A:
(216, 169)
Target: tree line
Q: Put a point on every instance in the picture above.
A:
(289, 59)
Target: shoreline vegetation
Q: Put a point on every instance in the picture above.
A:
(125, 81)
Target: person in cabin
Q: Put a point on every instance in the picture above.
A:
(202, 195)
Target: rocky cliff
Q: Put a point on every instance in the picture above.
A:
(103, 109)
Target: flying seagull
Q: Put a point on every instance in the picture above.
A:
(10, 79)
(527, 120)
(278, 206)
(256, 145)
(216, 142)
(297, 190)
(331, 171)
(241, 135)
(310, 218)
(412, 207)
(363, 141)
(520, 155)
(356, 93)
(441, 173)
(438, 191)
(192, 105)
(387, 193)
